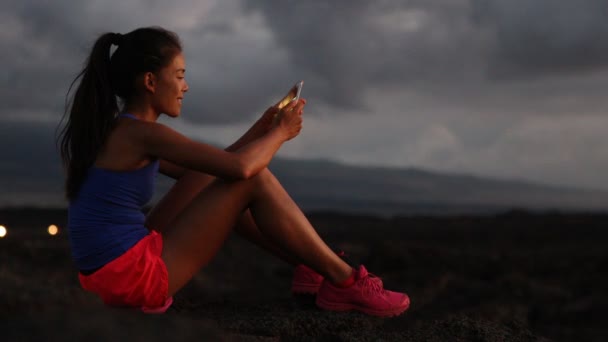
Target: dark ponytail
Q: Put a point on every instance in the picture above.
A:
(105, 77)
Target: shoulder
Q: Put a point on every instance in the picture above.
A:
(152, 138)
(146, 130)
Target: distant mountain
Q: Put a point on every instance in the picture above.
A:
(322, 184)
(30, 174)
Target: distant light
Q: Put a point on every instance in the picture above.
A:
(2, 231)
(53, 230)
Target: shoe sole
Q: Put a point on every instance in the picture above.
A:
(305, 288)
(350, 307)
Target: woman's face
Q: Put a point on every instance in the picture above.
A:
(171, 86)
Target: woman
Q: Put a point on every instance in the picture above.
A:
(112, 153)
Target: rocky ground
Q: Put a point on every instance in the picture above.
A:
(511, 277)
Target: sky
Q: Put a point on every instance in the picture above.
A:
(506, 89)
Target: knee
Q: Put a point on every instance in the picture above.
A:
(263, 177)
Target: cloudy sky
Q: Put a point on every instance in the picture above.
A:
(507, 89)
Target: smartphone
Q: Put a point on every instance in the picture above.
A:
(292, 95)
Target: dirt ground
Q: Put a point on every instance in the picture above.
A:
(511, 277)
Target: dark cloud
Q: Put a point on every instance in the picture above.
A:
(345, 47)
(446, 84)
(341, 48)
(42, 52)
(45, 46)
(544, 36)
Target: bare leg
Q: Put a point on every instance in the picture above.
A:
(184, 191)
(280, 219)
(179, 196)
(247, 228)
(201, 228)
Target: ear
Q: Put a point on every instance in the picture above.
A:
(150, 82)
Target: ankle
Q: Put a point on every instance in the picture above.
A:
(347, 282)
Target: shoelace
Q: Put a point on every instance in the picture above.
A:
(372, 285)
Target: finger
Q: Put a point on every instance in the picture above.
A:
(290, 106)
(300, 106)
(299, 102)
(271, 112)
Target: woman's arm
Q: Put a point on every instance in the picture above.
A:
(258, 129)
(170, 169)
(162, 142)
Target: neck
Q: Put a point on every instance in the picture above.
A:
(143, 111)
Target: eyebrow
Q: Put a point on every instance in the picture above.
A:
(182, 70)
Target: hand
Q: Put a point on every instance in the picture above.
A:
(266, 122)
(289, 119)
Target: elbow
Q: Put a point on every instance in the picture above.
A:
(244, 171)
(246, 168)
(248, 173)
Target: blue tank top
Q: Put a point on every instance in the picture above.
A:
(106, 219)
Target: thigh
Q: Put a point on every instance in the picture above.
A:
(200, 229)
(176, 199)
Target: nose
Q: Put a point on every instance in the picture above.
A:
(185, 89)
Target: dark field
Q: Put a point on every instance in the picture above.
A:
(510, 277)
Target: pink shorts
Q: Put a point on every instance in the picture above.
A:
(138, 278)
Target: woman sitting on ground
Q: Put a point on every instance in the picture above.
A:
(112, 154)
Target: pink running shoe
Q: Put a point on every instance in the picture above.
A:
(366, 295)
(305, 280)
